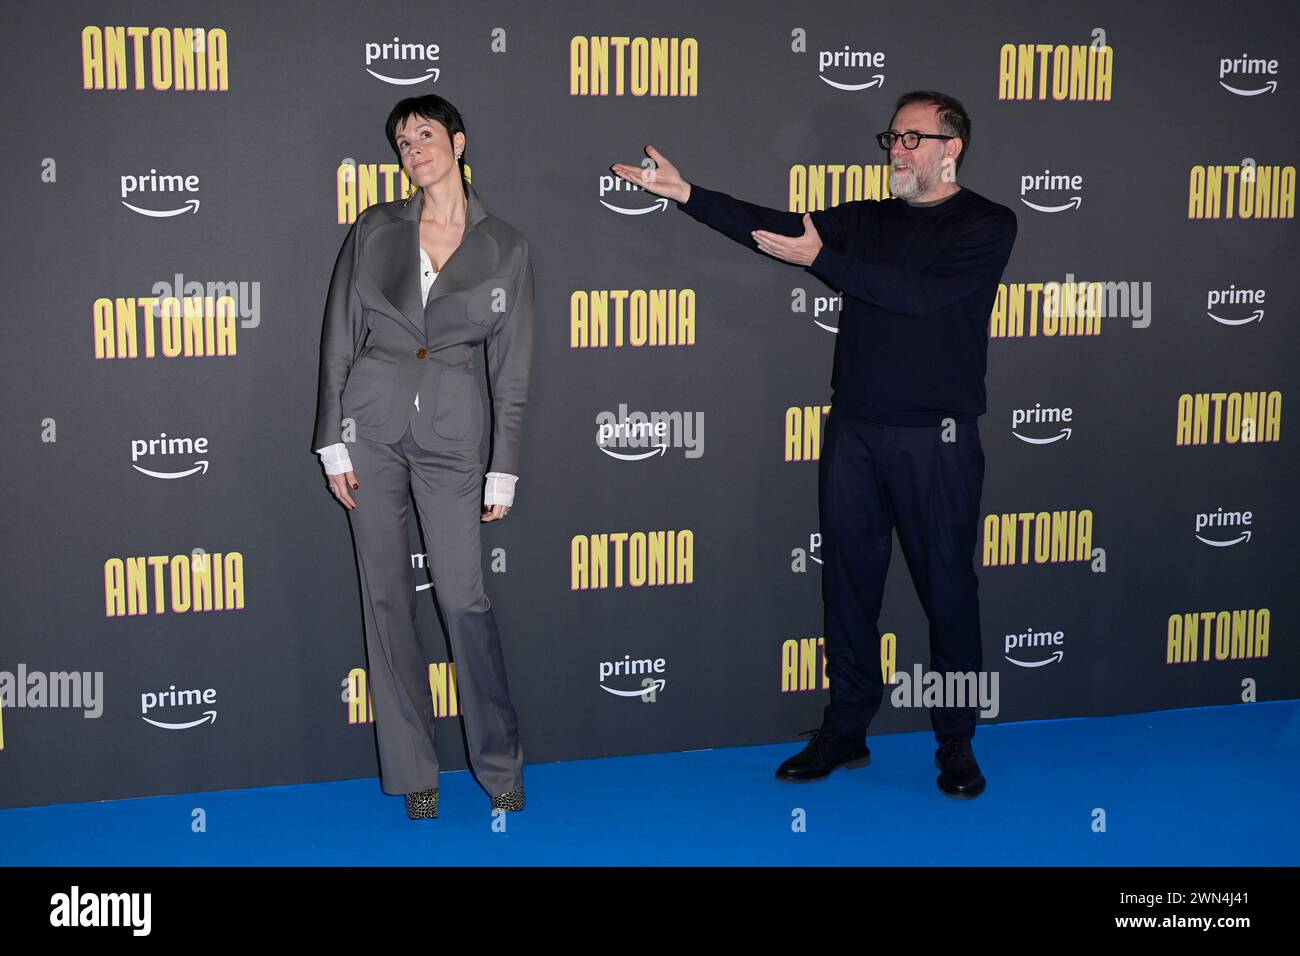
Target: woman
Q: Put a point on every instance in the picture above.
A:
(419, 287)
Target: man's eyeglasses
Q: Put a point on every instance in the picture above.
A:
(911, 139)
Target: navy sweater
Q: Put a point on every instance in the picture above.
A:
(919, 283)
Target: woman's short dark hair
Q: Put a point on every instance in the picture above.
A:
(431, 106)
(953, 120)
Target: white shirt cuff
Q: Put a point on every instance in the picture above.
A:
(335, 459)
(499, 489)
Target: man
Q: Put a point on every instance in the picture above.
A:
(901, 448)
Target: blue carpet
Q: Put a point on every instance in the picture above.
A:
(1210, 786)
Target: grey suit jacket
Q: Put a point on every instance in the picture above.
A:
(380, 346)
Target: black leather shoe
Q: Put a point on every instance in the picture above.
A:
(824, 753)
(959, 774)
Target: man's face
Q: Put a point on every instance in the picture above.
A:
(914, 172)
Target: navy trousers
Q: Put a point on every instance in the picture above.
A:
(874, 479)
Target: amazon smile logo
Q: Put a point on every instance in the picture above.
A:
(180, 446)
(636, 436)
(611, 184)
(1256, 316)
(1055, 422)
(823, 306)
(160, 184)
(1034, 648)
(1240, 300)
(1047, 181)
(1249, 73)
(152, 700)
(1223, 529)
(849, 60)
(408, 57)
(643, 672)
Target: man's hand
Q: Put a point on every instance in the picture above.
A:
(494, 512)
(662, 179)
(801, 250)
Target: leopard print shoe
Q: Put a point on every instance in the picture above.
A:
(422, 805)
(510, 801)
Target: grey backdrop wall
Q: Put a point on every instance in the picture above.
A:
(1155, 434)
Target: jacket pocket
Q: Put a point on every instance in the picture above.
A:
(368, 393)
(369, 352)
(458, 411)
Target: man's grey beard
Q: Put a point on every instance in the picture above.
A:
(916, 185)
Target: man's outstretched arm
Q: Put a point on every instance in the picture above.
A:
(730, 216)
(736, 218)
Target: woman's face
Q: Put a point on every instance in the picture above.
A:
(426, 150)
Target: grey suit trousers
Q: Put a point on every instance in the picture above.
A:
(447, 486)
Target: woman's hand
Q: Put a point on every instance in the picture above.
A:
(339, 485)
(494, 512)
(663, 180)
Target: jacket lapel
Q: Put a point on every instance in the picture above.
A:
(393, 257)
